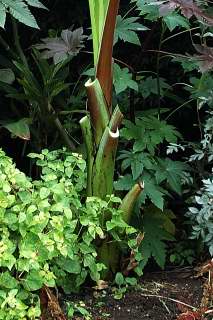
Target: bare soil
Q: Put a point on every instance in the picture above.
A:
(160, 296)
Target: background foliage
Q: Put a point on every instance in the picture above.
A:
(163, 84)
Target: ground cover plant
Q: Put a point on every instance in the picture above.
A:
(49, 234)
(114, 110)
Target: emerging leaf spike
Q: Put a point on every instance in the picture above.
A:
(129, 201)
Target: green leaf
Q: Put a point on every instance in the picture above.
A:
(148, 9)
(126, 30)
(154, 235)
(19, 10)
(44, 193)
(71, 266)
(6, 75)
(119, 279)
(2, 15)
(34, 281)
(58, 88)
(148, 132)
(19, 128)
(172, 172)
(7, 281)
(149, 86)
(36, 156)
(137, 161)
(124, 182)
(153, 191)
(36, 4)
(25, 196)
(174, 20)
(6, 187)
(131, 281)
(123, 80)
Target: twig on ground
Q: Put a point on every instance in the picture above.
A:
(164, 304)
(168, 298)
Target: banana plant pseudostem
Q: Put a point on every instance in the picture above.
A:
(101, 128)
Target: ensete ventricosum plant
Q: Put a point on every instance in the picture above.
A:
(101, 128)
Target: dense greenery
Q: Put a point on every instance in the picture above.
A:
(76, 211)
(49, 235)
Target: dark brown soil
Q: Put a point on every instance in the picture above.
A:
(160, 296)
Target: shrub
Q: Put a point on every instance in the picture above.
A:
(201, 214)
(50, 232)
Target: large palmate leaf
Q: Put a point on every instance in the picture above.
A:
(188, 8)
(123, 79)
(67, 45)
(174, 20)
(149, 86)
(172, 172)
(137, 161)
(126, 30)
(19, 9)
(164, 8)
(148, 132)
(124, 182)
(155, 227)
(204, 57)
(152, 190)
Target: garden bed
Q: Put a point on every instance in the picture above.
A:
(160, 296)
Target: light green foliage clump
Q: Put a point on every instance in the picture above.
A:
(49, 233)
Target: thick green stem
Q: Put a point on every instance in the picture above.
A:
(104, 165)
(98, 109)
(89, 143)
(100, 131)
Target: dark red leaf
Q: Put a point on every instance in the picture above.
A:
(204, 58)
(60, 48)
(188, 9)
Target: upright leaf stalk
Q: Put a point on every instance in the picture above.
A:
(101, 127)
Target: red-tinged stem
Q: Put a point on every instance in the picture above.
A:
(104, 71)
